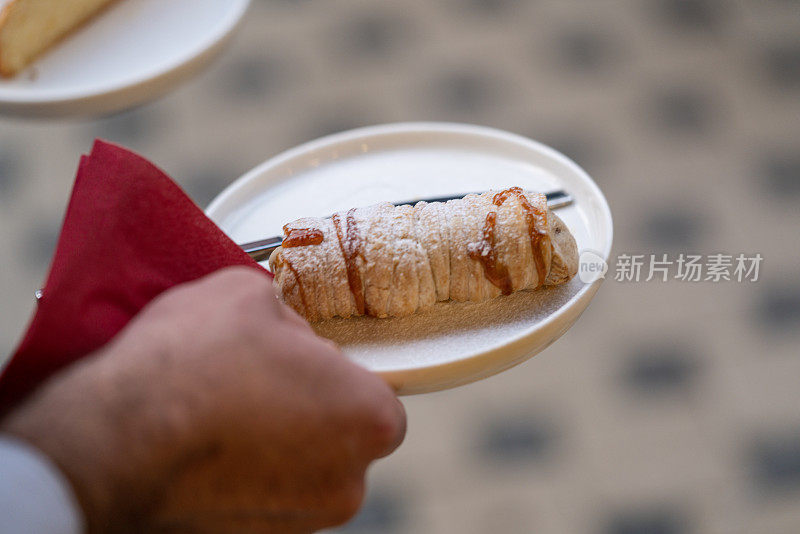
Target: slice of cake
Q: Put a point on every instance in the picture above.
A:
(28, 27)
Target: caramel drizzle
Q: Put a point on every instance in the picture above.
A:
(300, 237)
(297, 237)
(537, 227)
(350, 244)
(485, 252)
(300, 288)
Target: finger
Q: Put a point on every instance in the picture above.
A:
(399, 431)
(291, 316)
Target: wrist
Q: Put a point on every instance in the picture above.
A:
(74, 419)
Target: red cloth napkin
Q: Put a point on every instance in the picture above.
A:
(129, 233)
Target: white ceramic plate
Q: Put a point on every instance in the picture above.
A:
(455, 343)
(133, 51)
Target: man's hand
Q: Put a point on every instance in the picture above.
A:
(216, 410)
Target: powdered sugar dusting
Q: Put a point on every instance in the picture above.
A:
(447, 332)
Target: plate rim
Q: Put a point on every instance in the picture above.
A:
(152, 81)
(511, 345)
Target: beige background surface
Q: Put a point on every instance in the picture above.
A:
(670, 407)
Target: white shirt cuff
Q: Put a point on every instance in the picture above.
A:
(35, 497)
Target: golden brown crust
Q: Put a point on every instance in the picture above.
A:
(9, 71)
(5, 12)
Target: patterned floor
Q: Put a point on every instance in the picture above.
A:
(672, 407)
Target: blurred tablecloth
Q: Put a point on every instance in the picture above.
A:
(670, 407)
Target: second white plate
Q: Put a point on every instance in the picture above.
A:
(455, 343)
(133, 51)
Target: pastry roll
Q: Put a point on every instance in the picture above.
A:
(391, 261)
